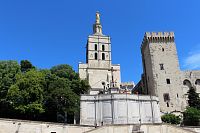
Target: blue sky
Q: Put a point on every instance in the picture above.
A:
(50, 32)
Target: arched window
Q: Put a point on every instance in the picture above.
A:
(103, 47)
(95, 56)
(103, 56)
(187, 83)
(197, 82)
(95, 47)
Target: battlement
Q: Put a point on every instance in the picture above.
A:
(158, 37)
(159, 34)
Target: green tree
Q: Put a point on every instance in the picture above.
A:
(171, 118)
(62, 92)
(26, 95)
(193, 98)
(80, 86)
(26, 65)
(60, 99)
(8, 70)
(76, 84)
(64, 71)
(191, 116)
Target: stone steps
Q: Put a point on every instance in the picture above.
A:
(136, 129)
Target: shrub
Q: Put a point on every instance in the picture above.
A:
(171, 118)
(191, 117)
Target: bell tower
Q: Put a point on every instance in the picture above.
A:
(98, 47)
(99, 70)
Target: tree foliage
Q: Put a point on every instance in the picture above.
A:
(171, 118)
(64, 71)
(191, 117)
(80, 86)
(26, 95)
(193, 98)
(30, 93)
(60, 98)
(8, 70)
(26, 65)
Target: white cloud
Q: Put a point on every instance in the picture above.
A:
(192, 61)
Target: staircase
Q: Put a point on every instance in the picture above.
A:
(136, 129)
(116, 129)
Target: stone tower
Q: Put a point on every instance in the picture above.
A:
(161, 70)
(99, 70)
(98, 47)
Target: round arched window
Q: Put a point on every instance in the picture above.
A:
(186, 82)
(197, 82)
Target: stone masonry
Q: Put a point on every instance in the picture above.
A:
(162, 76)
(115, 108)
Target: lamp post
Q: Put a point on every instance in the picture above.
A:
(139, 108)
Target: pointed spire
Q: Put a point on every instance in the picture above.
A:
(97, 28)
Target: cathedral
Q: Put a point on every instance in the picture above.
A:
(99, 70)
(104, 103)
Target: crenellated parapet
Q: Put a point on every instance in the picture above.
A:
(158, 37)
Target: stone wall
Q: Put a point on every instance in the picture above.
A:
(162, 74)
(143, 129)
(118, 109)
(190, 79)
(22, 126)
(164, 129)
(113, 129)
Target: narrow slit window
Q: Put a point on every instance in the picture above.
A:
(95, 56)
(167, 104)
(103, 47)
(103, 56)
(161, 67)
(95, 47)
